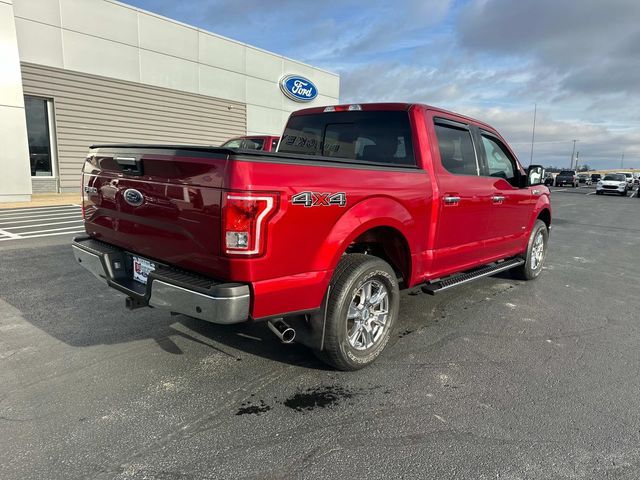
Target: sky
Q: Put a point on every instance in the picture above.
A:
(577, 60)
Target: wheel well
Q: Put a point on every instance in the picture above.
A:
(545, 216)
(388, 244)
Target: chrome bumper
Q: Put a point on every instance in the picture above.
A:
(166, 288)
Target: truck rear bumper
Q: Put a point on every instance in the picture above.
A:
(167, 288)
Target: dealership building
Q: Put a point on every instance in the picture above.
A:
(78, 72)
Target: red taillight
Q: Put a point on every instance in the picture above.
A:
(245, 217)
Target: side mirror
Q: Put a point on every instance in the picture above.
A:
(535, 175)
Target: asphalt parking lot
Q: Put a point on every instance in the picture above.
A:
(497, 379)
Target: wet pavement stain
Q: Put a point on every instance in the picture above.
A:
(319, 397)
(248, 408)
(405, 333)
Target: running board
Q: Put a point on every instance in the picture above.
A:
(462, 278)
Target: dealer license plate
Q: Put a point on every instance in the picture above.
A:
(142, 268)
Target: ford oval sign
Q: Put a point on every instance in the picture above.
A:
(133, 197)
(298, 89)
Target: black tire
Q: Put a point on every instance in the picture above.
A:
(624, 194)
(354, 271)
(526, 271)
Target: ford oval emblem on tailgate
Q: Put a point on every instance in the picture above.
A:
(298, 88)
(133, 197)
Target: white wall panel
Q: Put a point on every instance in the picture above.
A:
(45, 11)
(15, 180)
(89, 54)
(169, 72)
(171, 38)
(263, 65)
(264, 93)
(221, 53)
(264, 121)
(101, 19)
(10, 84)
(39, 43)
(219, 83)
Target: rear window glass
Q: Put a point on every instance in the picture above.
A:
(380, 137)
(567, 173)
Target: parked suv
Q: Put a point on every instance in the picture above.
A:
(595, 177)
(629, 178)
(567, 177)
(613, 183)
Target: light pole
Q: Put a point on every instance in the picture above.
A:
(573, 153)
(622, 161)
(533, 133)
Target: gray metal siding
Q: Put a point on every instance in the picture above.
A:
(92, 109)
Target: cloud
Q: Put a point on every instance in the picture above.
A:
(490, 59)
(593, 44)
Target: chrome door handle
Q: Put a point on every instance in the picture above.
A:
(497, 198)
(451, 200)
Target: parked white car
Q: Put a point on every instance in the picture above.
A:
(613, 183)
(629, 177)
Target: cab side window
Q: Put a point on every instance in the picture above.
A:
(499, 162)
(456, 150)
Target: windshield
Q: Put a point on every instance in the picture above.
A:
(567, 173)
(616, 177)
(381, 137)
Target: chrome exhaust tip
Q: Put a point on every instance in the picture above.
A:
(284, 332)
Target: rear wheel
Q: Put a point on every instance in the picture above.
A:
(361, 312)
(535, 254)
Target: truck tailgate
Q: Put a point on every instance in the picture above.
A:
(159, 203)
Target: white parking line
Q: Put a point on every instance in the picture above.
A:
(27, 234)
(61, 217)
(43, 235)
(591, 193)
(79, 221)
(38, 209)
(11, 236)
(38, 215)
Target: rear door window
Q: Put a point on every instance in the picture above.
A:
(457, 154)
(375, 136)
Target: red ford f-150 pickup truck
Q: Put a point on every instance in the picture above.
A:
(318, 238)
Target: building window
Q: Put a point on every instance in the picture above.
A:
(38, 112)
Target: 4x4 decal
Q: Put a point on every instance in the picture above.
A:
(317, 199)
